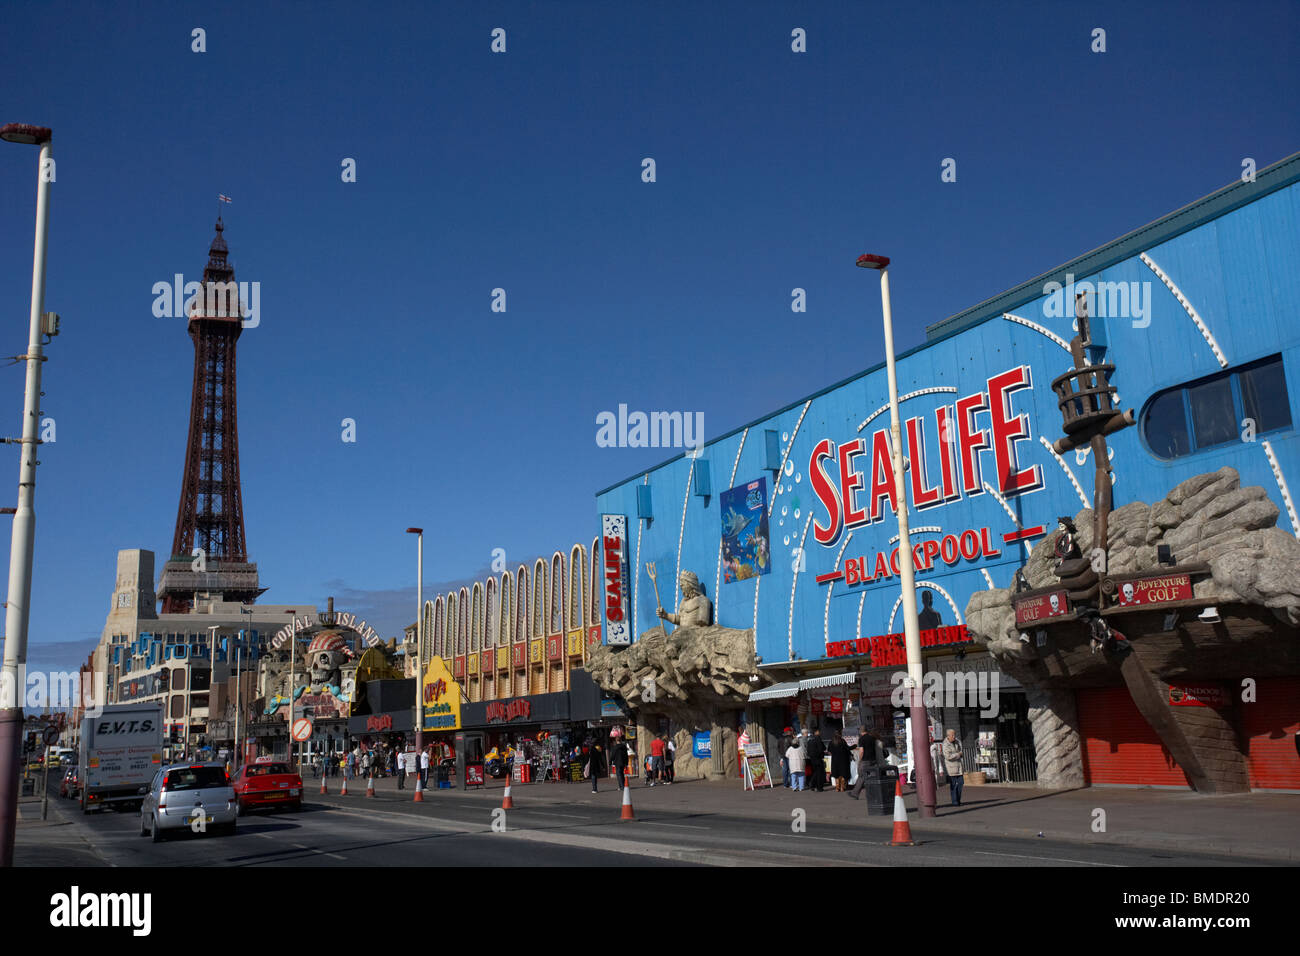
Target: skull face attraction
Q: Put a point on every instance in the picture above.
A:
(326, 656)
(1055, 601)
(1127, 590)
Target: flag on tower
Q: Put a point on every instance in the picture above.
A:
(221, 198)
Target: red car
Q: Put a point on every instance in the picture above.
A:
(266, 783)
(70, 785)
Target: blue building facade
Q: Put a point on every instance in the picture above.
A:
(1198, 311)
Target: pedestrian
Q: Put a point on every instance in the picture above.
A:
(401, 770)
(595, 764)
(816, 749)
(870, 756)
(952, 765)
(794, 758)
(620, 755)
(350, 766)
(670, 757)
(841, 760)
(657, 749)
(785, 762)
(424, 769)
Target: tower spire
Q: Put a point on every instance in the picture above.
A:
(209, 556)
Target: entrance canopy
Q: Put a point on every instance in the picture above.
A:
(776, 691)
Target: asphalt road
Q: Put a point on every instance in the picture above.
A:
(460, 833)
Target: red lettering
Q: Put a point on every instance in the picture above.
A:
(882, 569)
(851, 572)
(931, 551)
(882, 475)
(948, 547)
(989, 550)
(970, 440)
(826, 493)
(970, 545)
(893, 562)
(948, 451)
(850, 481)
(613, 549)
(922, 497)
(1009, 429)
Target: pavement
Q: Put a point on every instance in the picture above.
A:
(1262, 826)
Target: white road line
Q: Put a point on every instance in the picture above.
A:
(548, 813)
(804, 836)
(1050, 859)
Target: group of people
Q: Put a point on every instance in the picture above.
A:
(803, 763)
(803, 760)
(659, 762)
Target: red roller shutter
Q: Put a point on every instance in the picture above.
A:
(1119, 745)
(1269, 726)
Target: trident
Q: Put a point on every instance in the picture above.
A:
(650, 570)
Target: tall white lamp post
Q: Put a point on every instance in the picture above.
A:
(920, 743)
(419, 658)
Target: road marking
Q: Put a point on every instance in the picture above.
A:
(312, 849)
(804, 836)
(547, 813)
(1050, 859)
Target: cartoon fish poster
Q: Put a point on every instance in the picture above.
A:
(745, 549)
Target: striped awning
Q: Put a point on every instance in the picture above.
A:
(776, 691)
(830, 680)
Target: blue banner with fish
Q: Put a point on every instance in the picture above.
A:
(745, 551)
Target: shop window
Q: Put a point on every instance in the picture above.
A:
(1218, 410)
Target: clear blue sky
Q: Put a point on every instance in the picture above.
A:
(522, 171)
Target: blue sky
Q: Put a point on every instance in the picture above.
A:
(522, 171)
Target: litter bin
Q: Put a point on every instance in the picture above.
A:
(882, 781)
(443, 777)
(29, 787)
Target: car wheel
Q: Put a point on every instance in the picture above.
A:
(144, 827)
(240, 809)
(155, 834)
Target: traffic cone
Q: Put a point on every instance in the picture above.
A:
(323, 789)
(902, 831)
(370, 785)
(344, 791)
(627, 803)
(506, 802)
(419, 791)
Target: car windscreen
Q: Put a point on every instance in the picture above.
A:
(266, 769)
(195, 778)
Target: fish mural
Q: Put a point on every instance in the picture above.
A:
(745, 545)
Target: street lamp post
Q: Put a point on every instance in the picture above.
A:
(293, 647)
(20, 553)
(920, 743)
(419, 659)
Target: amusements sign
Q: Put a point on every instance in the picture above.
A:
(745, 550)
(440, 697)
(1158, 590)
(613, 532)
(1042, 607)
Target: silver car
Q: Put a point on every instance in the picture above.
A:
(197, 797)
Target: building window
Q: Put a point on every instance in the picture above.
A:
(1218, 410)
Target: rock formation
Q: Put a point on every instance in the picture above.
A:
(688, 676)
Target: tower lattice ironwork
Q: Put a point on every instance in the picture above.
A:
(209, 557)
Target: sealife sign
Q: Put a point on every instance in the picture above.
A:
(970, 545)
(1162, 589)
(440, 697)
(613, 536)
(1041, 607)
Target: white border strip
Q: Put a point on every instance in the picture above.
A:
(1065, 468)
(681, 533)
(1037, 328)
(1281, 484)
(926, 584)
(717, 577)
(946, 389)
(1010, 514)
(1187, 307)
(826, 616)
(794, 583)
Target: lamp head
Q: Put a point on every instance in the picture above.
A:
(868, 261)
(26, 133)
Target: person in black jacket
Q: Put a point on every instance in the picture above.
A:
(841, 761)
(619, 755)
(816, 755)
(596, 760)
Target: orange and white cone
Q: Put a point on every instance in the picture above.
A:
(506, 802)
(323, 787)
(902, 831)
(370, 786)
(344, 791)
(419, 791)
(627, 803)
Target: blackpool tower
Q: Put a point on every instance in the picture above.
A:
(209, 557)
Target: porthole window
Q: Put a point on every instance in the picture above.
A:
(1218, 410)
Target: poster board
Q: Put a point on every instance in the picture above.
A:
(757, 773)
